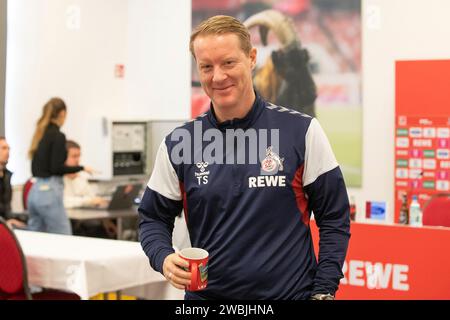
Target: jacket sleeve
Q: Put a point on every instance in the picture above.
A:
(328, 200)
(160, 204)
(58, 157)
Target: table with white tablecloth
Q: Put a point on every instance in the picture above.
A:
(89, 266)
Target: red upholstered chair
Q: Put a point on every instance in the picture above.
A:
(13, 272)
(436, 211)
(26, 190)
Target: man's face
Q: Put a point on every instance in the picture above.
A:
(73, 157)
(225, 70)
(4, 152)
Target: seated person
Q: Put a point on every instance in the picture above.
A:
(79, 193)
(5, 187)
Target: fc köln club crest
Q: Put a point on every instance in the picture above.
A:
(272, 163)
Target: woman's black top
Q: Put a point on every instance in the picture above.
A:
(49, 158)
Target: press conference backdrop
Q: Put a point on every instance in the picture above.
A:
(2, 64)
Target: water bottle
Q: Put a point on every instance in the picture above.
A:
(415, 213)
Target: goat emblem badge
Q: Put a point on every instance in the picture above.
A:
(272, 163)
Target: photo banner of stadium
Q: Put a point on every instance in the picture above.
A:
(316, 71)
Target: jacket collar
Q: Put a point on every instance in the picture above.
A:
(238, 123)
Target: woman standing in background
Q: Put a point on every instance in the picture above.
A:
(48, 154)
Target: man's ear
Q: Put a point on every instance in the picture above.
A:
(253, 53)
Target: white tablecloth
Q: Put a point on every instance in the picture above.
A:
(87, 266)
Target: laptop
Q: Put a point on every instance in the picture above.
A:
(122, 198)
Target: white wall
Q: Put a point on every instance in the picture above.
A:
(158, 66)
(45, 58)
(408, 30)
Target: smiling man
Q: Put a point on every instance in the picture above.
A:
(252, 218)
(226, 73)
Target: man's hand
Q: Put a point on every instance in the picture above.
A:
(99, 202)
(172, 270)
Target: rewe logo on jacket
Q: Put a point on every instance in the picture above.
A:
(266, 181)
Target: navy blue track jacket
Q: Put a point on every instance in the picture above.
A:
(254, 225)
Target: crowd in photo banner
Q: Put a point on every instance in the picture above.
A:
(309, 60)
